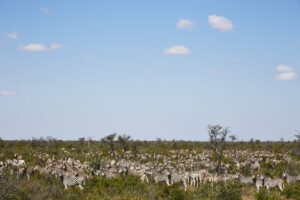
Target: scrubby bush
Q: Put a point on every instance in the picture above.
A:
(292, 191)
(263, 194)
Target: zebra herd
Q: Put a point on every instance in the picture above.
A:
(183, 167)
(262, 181)
(202, 176)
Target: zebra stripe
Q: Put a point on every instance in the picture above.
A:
(258, 181)
(161, 177)
(182, 177)
(195, 178)
(291, 179)
(244, 179)
(72, 181)
(271, 183)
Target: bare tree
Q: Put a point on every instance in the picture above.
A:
(217, 137)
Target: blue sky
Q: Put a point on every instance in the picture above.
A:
(150, 69)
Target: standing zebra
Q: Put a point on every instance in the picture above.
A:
(195, 178)
(258, 182)
(271, 183)
(161, 177)
(244, 179)
(290, 179)
(139, 173)
(71, 180)
(180, 177)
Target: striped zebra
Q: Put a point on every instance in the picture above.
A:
(180, 177)
(290, 179)
(71, 180)
(244, 179)
(210, 178)
(258, 182)
(194, 177)
(161, 177)
(197, 177)
(271, 183)
(139, 173)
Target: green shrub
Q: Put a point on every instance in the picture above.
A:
(263, 194)
(292, 191)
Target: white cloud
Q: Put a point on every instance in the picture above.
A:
(4, 93)
(220, 23)
(185, 24)
(12, 35)
(46, 11)
(32, 47)
(39, 47)
(285, 73)
(55, 46)
(284, 69)
(177, 50)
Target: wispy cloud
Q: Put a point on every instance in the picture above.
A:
(285, 73)
(177, 50)
(220, 23)
(46, 11)
(12, 35)
(39, 47)
(55, 46)
(5, 93)
(185, 24)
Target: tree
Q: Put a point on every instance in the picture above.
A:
(81, 141)
(110, 140)
(217, 137)
(233, 139)
(298, 136)
(123, 140)
(297, 151)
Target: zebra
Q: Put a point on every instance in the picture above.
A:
(258, 182)
(180, 177)
(271, 183)
(161, 177)
(290, 179)
(139, 173)
(195, 178)
(23, 171)
(71, 180)
(210, 178)
(244, 179)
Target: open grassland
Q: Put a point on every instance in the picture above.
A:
(117, 170)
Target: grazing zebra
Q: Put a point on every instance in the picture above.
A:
(244, 179)
(71, 180)
(180, 177)
(161, 177)
(271, 183)
(290, 179)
